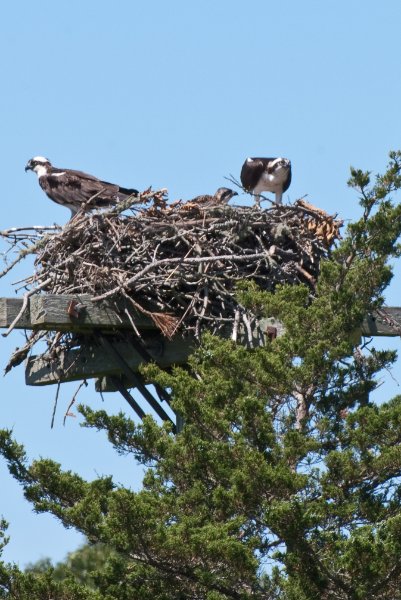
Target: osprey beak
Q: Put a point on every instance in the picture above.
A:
(28, 166)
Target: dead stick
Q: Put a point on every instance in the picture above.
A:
(189, 261)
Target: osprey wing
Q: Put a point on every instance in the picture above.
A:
(252, 170)
(113, 188)
(70, 187)
(73, 173)
(85, 186)
(287, 182)
(205, 198)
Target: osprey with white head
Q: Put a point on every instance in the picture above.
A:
(266, 175)
(75, 189)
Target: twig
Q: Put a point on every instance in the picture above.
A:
(83, 383)
(237, 184)
(55, 404)
(237, 315)
(190, 261)
(39, 228)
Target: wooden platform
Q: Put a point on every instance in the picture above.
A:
(53, 313)
(50, 312)
(115, 365)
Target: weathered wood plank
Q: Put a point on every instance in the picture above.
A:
(383, 323)
(92, 361)
(51, 312)
(9, 309)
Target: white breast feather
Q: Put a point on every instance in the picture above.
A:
(271, 182)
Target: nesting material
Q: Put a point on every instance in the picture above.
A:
(177, 263)
(180, 263)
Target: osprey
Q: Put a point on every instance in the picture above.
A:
(266, 175)
(75, 189)
(221, 196)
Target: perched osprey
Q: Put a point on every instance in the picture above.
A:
(220, 197)
(74, 189)
(266, 175)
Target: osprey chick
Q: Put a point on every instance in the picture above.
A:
(222, 196)
(73, 189)
(266, 175)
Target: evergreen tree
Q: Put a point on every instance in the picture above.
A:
(81, 564)
(41, 583)
(285, 480)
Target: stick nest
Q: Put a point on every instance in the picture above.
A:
(180, 263)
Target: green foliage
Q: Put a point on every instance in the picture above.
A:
(83, 565)
(41, 582)
(21, 586)
(285, 481)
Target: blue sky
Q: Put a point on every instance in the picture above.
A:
(177, 94)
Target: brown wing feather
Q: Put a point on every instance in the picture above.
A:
(252, 171)
(288, 182)
(73, 191)
(203, 199)
(73, 172)
(113, 187)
